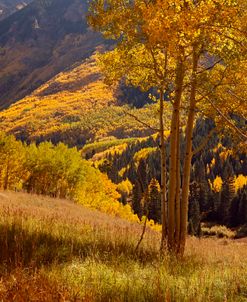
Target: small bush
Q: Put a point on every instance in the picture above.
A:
(220, 231)
(241, 232)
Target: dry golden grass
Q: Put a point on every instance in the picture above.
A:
(64, 252)
(64, 211)
(21, 286)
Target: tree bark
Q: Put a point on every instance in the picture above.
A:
(188, 154)
(178, 199)
(173, 156)
(163, 172)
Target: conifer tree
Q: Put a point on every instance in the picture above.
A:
(234, 219)
(227, 195)
(194, 215)
(154, 201)
(242, 212)
(136, 199)
(202, 184)
(142, 174)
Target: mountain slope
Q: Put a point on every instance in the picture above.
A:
(8, 7)
(74, 107)
(39, 41)
(59, 104)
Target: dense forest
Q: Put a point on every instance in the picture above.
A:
(218, 178)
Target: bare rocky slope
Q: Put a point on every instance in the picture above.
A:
(39, 41)
(8, 7)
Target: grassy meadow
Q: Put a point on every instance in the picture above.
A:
(54, 250)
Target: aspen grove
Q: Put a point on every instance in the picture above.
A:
(193, 53)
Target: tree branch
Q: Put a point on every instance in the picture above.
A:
(229, 122)
(236, 96)
(142, 234)
(209, 67)
(204, 142)
(213, 88)
(159, 76)
(141, 122)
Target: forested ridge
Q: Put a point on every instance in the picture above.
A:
(217, 190)
(76, 107)
(218, 179)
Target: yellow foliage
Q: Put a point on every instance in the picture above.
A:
(212, 163)
(59, 103)
(144, 153)
(225, 154)
(98, 192)
(12, 158)
(240, 182)
(125, 187)
(122, 171)
(216, 185)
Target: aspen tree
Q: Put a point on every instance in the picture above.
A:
(196, 50)
(139, 64)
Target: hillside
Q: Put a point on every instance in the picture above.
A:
(218, 189)
(133, 192)
(48, 74)
(8, 7)
(54, 250)
(39, 41)
(73, 107)
(59, 104)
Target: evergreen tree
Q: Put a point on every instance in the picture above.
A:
(227, 195)
(136, 199)
(194, 227)
(142, 174)
(202, 185)
(242, 213)
(154, 201)
(234, 212)
(227, 170)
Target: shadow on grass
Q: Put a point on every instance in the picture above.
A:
(21, 247)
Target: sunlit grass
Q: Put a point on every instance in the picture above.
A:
(131, 281)
(74, 254)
